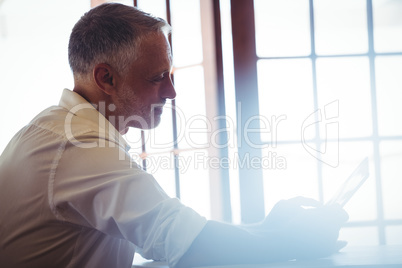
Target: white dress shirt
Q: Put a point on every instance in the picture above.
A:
(71, 196)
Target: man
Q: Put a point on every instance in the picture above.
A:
(70, 196)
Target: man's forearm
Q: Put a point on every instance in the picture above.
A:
(288, 232)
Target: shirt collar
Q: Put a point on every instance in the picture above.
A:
(80, 107)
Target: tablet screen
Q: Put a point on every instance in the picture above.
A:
(352, 184)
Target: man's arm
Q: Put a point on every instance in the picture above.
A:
(220, 243)
(288, 232)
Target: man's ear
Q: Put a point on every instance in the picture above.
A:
(105, 78)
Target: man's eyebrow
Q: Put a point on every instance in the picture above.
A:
(167, 68)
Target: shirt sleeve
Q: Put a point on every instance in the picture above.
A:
(102, 188)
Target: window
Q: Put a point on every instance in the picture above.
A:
(328, 88)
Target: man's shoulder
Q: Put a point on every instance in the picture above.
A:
(62, 122)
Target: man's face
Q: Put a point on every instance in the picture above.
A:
(146, 85)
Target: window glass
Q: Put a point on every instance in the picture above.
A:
(389, 94)
(387, 25)
(33, 51)
(340, 27)
(186, 32)
(285, 94)
(192, 123)
(347, 80)
(393, 235)
(282, 28)
(283, 178)
(194, 180)
(359, 236)
(391, 178)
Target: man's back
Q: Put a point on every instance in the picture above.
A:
(31, 230)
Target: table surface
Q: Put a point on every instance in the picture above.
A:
(388, 256)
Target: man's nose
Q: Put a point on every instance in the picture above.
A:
(168, 91)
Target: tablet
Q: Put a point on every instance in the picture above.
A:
(352, 184)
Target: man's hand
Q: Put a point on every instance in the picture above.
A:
(304, 228)
(286, 210)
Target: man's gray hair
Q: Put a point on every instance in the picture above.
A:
(110, 33)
